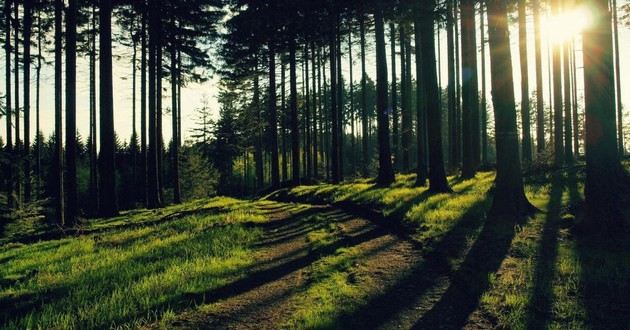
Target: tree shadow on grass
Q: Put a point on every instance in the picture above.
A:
(541, 295)
(605, 279)
(413, 286)
(471, 280)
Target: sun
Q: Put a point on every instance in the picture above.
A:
(566, 25)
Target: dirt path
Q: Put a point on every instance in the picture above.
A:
(402, 285)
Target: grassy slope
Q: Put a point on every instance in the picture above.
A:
(125, 276)
(548, 277)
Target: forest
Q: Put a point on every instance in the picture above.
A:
(303, 164)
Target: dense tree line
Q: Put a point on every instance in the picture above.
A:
(293, 108)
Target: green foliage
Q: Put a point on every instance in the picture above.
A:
(199, 179)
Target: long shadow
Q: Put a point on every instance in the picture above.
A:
(541, 295)
(421, 278)
(471, 280)
(605, 278)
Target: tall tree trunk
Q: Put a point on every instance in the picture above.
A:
(340, 103)
(159, 113)
(458, 87)
(18, 143)
(28, 22)
(107, 159)
(38, 135)
(470, 92)
(615, 23)
(421, 108)
(484, 91)
(177, 196)
(394, 98)
(385, 169)
(574, 107)
(452, 81)
(334, 113)
(524, 63)
(509, 194)
(258, 152)
(93, 184)
(603, 169)
(307, 117)
(133, 143)
(273, 119)
(557, 95)
(365, 136)
(9, 115)
(437, 174)
(316, 110)
(295, 133)
(568, 123)
(153, 196)
(351, 83)
(71, 113)
(540, 103)
(57, 168)
(143, 103)
(405, 93)
(285, 162)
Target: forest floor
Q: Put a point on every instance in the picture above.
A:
(326, 256)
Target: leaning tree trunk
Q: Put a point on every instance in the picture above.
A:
(71, 113)
(437, 174)
(603, 169)
(509, 194)
(385, 169)
(470, 93)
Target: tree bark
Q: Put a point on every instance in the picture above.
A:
(470, 92)
(71, 113)
(153, 196)
(540, 103)
(557, 95)
(177, 198)
(295, 133)
(524, 64)
(437, 174)
(603, 169)
(484, 91)
(509, 194)
(273, 119)
(57, 168)
(9, 115)
(421, 108)
(107, 159)
(28, 22)
(93, 184)
(452, 106)
(405, 93)
(394, 97)
(334, 118)
(615, 23)
(568, 123)
(143, 103)
(364, 111)
(385, 169)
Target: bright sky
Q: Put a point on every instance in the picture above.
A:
(193, 94)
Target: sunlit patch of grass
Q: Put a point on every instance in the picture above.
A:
(334, 289)
(126, 277)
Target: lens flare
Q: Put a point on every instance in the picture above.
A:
(566, 25)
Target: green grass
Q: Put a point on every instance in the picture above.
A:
(126, 276)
